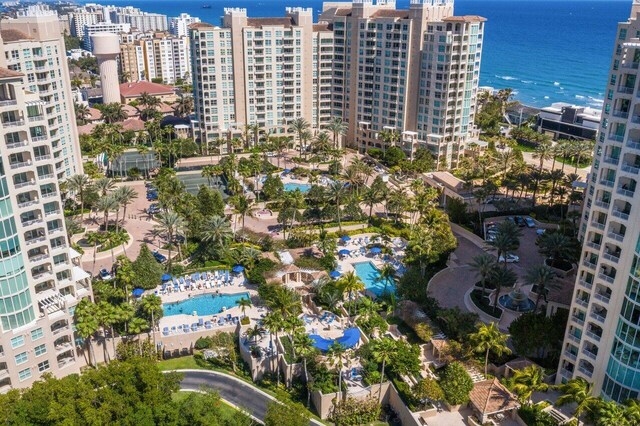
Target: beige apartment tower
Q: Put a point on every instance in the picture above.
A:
(40, 278)
(602, 341)
(412, 73)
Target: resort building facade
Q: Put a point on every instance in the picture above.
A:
(41, 281)
(407, 78)
(602, 342)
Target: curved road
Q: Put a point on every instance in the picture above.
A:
(231, 389)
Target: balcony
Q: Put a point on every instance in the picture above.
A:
(597, 317)
(612, 257)
(50, 194)
(606, 182)
(570, 355)
(603, 204)
(8, 102)
(608, 278)
(630, 169)
(585, 371)
(38, 258)
(15, 145)
(585, 284)
(38, 138)
(55, 230)
(620, 114)
(566, 373)
(582, 302)
(43, 157)
(616, 138)
(614, 235)
(63, 362)
(36, 118)
(593, 245)
(630, 65)
(589, 354)
(577, 319)
(16, 123)
(625, 90)
(15, 166)
(602, 297)
(621, 214)
(593, 336)
(35, 240)
(612, 160)
(589, 264)
(598, 225)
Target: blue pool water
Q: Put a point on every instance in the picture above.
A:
(302, 187)
(370, 276)
(206, 304)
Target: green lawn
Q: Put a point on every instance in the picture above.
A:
(226, 410)
(525, 148)
(182, 363)
(571, 162)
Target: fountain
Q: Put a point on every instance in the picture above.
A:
(517, 301)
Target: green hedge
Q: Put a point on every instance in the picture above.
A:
(484, 304)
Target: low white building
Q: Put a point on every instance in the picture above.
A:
(566, 121)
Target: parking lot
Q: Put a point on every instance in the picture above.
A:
(528, 251)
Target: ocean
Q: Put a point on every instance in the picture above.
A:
(545, 50)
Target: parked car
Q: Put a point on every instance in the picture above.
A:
(511, 219)
(104, 274)
(520, 221)
(529, 222)
(152, 196)
(540, 231)
(511, 258)
(159, 256)
(153, 209)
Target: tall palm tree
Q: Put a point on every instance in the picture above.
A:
(506, 239)
(106, 205)
(304, 346)
(487, 339)
(543, 152)
(337, 192)
(86, 324)
(244, 303)
(273, 322)
(299, 126)
(580, 392)
(337, 128)
(113, 113)
(388, 138)
(82, 111)
(184, 106)
(151, 305)
(383, 351)
(242, 206)
(502, 277)
(350, 283)
(387, 274)
(541, 276)
(104, 185)
(582, 149)
(79, 184)
(336, 354)
(254, 332)
(124, 195)
(371, 197)
(483, 264)
(557, 247)
(610, 413)
(527, 381)
(94, 238)
(170, 225)
(217, 231)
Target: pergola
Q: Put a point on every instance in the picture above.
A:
(490, 398)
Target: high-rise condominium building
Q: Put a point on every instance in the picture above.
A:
(411, 73)
(142, 21)
(40, 280)
(81, 18)
(602, 342)
(153, 56)
(179, 25)
(102, 27)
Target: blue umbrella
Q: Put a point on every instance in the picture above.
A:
(346, 238)
(137, 292)
(166, 277)
(335, 274)
(287, 170)
(237, 269)
(344, 252)
(376, 250)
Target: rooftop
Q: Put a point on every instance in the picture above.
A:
(465, 18)
(490, 396)
(387, 13)
(134, 90)
(270, 22)
(13, 35)
(7, 73)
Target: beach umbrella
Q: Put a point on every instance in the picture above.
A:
(238, 268)
(344, 252)
(137, 292)
(166, 277)
(346, 238)
(335, 274)
(376, 250)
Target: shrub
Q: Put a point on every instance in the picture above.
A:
(483, 302)
(424, 331)
(428, 389)
(146, 270)
(456, 384)
(355, 412)
(203, 343)
(245, 321)
(533, 415)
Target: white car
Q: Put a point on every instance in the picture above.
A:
(511, 258)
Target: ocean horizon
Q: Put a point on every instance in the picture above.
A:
(545, 50)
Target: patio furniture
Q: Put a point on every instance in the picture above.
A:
(165, 331)
(207, 325)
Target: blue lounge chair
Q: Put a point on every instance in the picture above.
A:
(173, 328)
(185, 328)
(207, 325)
(179, 327)
(200, 322)
(182, 281)
(165, 331)
(194, 326)
(228, 317)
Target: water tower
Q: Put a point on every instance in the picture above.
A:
(106, 48)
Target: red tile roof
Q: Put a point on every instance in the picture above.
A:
(465, 18)
(134, 90)
(134, 124)
(198, 25)
(385, 13)
(322, 26)
(94, 114)
(490, 396)
(264, 22)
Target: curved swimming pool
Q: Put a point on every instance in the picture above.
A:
(205, 304)
(370, 276)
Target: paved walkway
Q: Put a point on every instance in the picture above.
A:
(232, 390)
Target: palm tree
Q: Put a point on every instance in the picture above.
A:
(79, 184)
(304, 346)
(299, 126)
(487, 339)
(217, 231)
(242, 206)
(387, 274)
(371, 197)
(580, 392)
(582, 149)
(86, 324)
(104, 185)
(254, 332)
(541, 276)
(113, 113)
(557, 247)
(94, 238)
(170, 225)
(184, 106)
(506, 239)
(383, 351)
(244, 303)
(273, 322)
(350, 283)
(633, 410)
(527, 381)
(389, 138)
(105, 205)
(124, 195)
(336, 193)
(483, 264)
(82, 111)
(610, 413)
(337, 128)
(543, 152)
(336, 354)
(151, 305)
(502, 277)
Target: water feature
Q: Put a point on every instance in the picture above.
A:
(370, 276)
(302, 187)
(516, 301)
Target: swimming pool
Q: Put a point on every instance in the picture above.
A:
(302, 187)
(370, 276)
(206, 304)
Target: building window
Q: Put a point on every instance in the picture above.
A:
(24, 374)
(21, 358)
(37, 334)
(17, 341)
(40, 349)
(43, 366)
